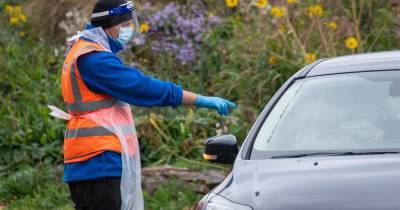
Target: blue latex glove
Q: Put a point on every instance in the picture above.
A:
(221, 105)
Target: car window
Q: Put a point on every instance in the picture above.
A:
(354, 111)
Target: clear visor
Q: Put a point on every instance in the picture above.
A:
(137, 37)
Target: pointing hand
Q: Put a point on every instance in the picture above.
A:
(221, 105)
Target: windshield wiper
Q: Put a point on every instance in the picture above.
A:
(332, 154)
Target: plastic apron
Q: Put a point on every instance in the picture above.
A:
(117, 119)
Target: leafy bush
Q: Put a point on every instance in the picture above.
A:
(28, 83)
(241, 50)
(178, 28)
(266, 43)
(34, 188)
(171, 138)
(171, 195)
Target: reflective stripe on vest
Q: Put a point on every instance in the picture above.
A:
(97, 131)
(78, 105)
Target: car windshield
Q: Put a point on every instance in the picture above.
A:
(342, 112)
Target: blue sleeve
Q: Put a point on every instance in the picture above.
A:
(104, 72)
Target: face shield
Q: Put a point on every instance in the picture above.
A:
(123, 9)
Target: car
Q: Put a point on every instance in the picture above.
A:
(328, 139)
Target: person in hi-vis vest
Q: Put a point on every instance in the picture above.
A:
(101, 155)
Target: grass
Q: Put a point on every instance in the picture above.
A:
(171, 195)
(50, 196)
(55, 196)
(42, 188)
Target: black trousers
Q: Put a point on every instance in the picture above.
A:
(99, 194)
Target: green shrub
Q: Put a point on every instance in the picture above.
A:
(28, 83)
(171, 195)
(245, 58)
(34, 188)
(49, 196)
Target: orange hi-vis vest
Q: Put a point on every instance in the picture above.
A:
(83, 137)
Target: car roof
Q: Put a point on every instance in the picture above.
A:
(378, 61)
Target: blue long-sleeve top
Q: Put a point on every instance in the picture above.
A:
(104, 72)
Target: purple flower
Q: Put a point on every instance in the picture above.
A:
(178, 28)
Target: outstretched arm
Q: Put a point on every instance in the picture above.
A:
(104, 72)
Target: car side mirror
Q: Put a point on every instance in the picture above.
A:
(221, 149)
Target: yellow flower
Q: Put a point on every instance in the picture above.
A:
(262, 3)
(272, 60)
(9, 9)
(14, 21)
(22, 17)
(318, 10)
(231, 3)
(292, 1)
(282, 28)
(277, 12)
(351, 42)
(315, 11)
(310, 57)
(22, 34)
(17, 9)
(332, 25)
(144, 27)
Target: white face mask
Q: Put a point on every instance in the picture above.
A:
(125, 35)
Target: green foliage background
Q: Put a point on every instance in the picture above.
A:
(234, 62)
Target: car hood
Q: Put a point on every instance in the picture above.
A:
(345, 182)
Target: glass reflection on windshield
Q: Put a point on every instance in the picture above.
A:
(337, 112)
